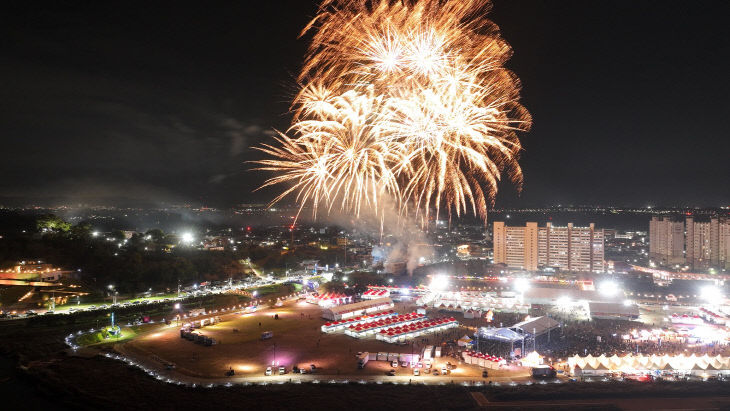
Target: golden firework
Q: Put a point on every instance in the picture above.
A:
(402, 100)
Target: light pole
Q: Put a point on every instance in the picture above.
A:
(177, 308)
(113, 293)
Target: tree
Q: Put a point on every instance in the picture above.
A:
(81, 230)
(52, 223)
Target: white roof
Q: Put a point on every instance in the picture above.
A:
(553, 295)
(537, 325)
(359, 305)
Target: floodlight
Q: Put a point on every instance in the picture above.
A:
(439, 282)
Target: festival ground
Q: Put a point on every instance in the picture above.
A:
(297, 341)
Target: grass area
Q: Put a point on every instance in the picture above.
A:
(274, 290)
(90, 339)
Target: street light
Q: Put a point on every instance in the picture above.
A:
(187, 238)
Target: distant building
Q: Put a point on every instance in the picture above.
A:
(567, 248)
(666, 241)
(32, 270)
(699, 244)
(708, 243)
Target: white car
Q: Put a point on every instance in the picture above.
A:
(282, 370)
(268, 371)
(394, 364)
(416, 372)
(444, 370)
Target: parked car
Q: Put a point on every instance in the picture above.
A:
(394, 364)
(416, 373)
(391, 373)
(282, 370)
(268, 371)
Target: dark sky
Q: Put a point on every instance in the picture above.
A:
(160, 102)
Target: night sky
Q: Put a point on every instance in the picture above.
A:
(151, 102)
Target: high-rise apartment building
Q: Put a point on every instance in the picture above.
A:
(699, 244)
(567, 248)
(666, 240)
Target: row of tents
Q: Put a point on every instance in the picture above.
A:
(371, 294)
(363, 330)
(692, 364)
(464, 301)
(330, 327)
(416, 329)
(482, 360)
(330, 299)
(343, 312)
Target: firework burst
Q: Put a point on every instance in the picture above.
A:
(406, 101)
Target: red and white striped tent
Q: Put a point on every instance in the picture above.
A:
(415, 329)
(332, 299)
(330, 327)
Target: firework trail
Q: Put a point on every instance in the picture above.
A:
(407, 100)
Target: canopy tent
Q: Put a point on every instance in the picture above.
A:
(333, 326)
(415, 329)
(654, 363)
(353, 310)
(464, 341)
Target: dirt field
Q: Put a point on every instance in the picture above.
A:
(297, 340)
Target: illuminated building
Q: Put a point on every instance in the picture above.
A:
(666, 240)
(567, 248)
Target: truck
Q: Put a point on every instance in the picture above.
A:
(543, 371)
(437, 353)
(362, 359)
(427, 352)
